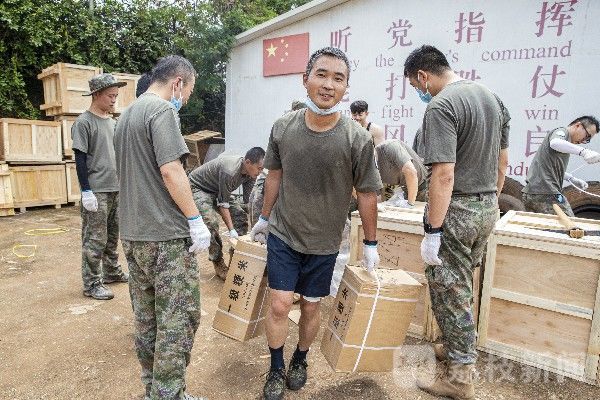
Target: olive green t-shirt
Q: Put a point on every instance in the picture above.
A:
(220, 177)
(94, 135)
(319, 170)
(148, 136)
(418, 146)
(466, 124)
(391, 157)
(547, 169)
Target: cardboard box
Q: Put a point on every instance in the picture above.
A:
(365, 327)
(244, 300)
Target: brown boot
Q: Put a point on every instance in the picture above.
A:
(452, 380)
(221, 268)
(440, 352)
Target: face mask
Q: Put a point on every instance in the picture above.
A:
(314, 108)
(425, 97)
(177, 102)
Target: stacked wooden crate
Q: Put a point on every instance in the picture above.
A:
(36, 157)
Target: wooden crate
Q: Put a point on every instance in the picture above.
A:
(73, 190)
(38, 185)
(66, 123)
(540, 301)
(198, 144)
(399, 233)
(126, 93)
(24, 140)
(64, 85)
(6, 197)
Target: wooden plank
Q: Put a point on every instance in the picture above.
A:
(539, 331)
(6, 196)
(592, 362)
(127, 92)
(545, 304)
(73, 190)
(66, 122)
(560, 278)
(484, 308)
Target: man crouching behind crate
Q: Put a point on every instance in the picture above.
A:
(315, 156)
(465, 131)
(212, 184)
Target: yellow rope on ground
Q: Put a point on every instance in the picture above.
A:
(18, 246)
(46, 231)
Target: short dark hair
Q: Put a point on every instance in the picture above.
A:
(172, 66)
(425, 58)
(586, 120)
(359, 106)
(143, 84)
(329, 52)
(255, 154)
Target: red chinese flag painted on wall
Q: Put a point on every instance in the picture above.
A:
(285, 55)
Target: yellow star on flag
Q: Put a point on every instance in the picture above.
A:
(271, 50)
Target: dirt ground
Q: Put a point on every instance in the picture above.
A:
(57, 344)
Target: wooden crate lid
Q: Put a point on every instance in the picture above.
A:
(529, 225)
(201, 136)
(410, 216)
(394, 283)
(13, 121)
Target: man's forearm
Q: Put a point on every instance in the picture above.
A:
(412, 183)
(178, 185)
(367, 208)
(226, 215)
(272, 183)
(502, 165)
(440, 192)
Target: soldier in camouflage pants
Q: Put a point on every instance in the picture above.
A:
(207, 205)
(165, 295)
(99, 236)
(542, 203)
(468, 224)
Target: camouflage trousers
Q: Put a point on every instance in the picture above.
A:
(207, 205)
(468, 224)
(542, 203)
(256, 199)
(165, 294)
(99, 238)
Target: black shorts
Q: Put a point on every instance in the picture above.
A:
(292, 271)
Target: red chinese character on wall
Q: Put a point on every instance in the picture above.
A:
(339, 38)
(557, 13)
(394, 132)
(473, 27)
(549, 84)
(400, 32)
(534, 140)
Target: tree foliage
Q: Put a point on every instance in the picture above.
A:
(124, 36)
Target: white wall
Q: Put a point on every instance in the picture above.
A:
(254, 102)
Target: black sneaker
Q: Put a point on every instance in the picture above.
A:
(296, 376)
(275, 384)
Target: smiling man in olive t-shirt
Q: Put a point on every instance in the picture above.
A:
(315, 157)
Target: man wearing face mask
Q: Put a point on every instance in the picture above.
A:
(212, 185)
(92, 134)
(315, 157)
(547, 171)
(161, 228)
(465, 131)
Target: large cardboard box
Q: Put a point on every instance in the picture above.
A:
(244, 298)
(540, 303)
(368, 323)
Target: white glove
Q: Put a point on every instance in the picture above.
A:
(402, 204)
(381, 207)
(370, 257)
(89, 200)
(200, 235)
(590, 156)
(233, 234)
(262, 227)
(580, 183)
(398, 195)
(430, 247)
